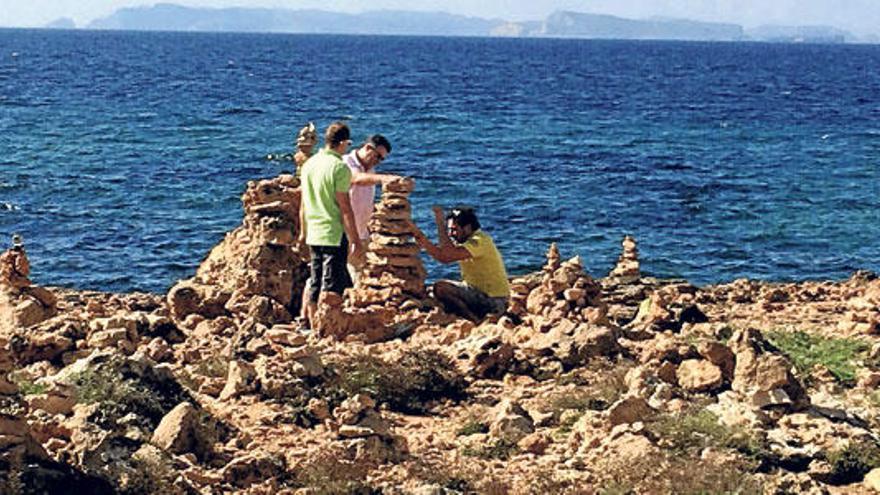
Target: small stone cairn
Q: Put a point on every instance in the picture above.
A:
(562, 290)
(22, 304)
(627, 268)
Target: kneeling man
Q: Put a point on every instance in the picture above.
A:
(484, 288)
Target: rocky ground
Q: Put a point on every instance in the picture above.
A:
(621, 384)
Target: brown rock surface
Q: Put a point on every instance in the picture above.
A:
(556, 391)
(697, 375)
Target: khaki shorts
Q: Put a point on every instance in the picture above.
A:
(478, 301)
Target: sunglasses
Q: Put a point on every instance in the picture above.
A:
(381, 158)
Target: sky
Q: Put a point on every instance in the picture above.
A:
(858, 16)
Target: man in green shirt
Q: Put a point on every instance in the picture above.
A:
(484, 288)
(328, 225)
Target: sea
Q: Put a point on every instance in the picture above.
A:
(124, 155)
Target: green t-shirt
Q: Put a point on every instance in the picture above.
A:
(324, 175)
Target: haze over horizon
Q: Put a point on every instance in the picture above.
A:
(858, 16)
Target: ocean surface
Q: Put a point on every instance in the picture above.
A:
(123, 155)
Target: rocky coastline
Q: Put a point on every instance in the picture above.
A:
(588, 384)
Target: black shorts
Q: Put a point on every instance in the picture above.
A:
(329, 272)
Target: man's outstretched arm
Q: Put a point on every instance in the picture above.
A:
(369, 178)
(443, 253)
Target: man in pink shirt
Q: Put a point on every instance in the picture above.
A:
(363, 162)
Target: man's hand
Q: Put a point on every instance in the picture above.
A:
(417, 233)
(438, 213)
(356, 253)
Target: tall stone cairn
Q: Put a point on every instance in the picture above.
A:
(394, 272)
(627, 269)
(393, 275)
(259, 269)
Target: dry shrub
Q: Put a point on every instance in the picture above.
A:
(547, 481)
(330, 473)
(407, 385)
(684, 475)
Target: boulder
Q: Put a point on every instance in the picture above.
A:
(239, 379)
(763, 376)
(176, 432)
(698, 375)
(872, 480)
(630, 410)
(510, 422)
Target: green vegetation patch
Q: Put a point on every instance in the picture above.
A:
(26, 387)
(692, 432)
(840, 356)
(498, 449)
(120, 388)
(406, 385)
(472, 427)
(683, 475)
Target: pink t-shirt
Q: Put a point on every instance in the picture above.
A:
(362, 197)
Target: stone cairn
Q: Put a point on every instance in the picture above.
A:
(563, 314)
(624, 289)
(394, 270)
(627, 268)
(258, 270)
(393, 279)
(561, 290)
(22, 304)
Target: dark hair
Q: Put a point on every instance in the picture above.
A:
(464, 216)
(336, 133)
(379, 140)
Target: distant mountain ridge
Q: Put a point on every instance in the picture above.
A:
(577, 25)
(560, 24)
(170, 17)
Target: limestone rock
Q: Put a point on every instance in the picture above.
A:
(239, 379)
(535, 443)
(630, 410)
(697, 375)
(720, 355)
(872, 480)
(485, 356)
(762, 376)
(176, 432)
(248, 469)
(511, 422)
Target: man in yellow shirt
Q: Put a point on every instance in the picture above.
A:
(484, 288)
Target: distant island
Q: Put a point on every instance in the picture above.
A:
(560, 24)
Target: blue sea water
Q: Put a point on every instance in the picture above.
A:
(123, 155)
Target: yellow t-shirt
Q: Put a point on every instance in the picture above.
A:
(485, 268)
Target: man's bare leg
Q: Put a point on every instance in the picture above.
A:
(448, 295)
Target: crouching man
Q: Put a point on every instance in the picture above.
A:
(484, 288)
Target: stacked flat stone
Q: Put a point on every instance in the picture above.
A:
(394, 272)
(521, 287)
(627, 269)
